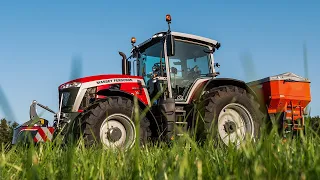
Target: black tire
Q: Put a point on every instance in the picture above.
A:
(218, 98)
(88, 123)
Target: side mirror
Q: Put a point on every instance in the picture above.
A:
(170, 45)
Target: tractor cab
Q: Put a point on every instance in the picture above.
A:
(175, 60)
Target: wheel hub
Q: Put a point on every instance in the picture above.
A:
(114, 134)
(230, 127)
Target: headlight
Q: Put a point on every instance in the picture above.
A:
(69, 85)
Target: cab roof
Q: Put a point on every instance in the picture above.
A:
(195, 37)
(184, 36)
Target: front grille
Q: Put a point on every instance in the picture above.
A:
(88, 98)
(69, 97)
(65, 99)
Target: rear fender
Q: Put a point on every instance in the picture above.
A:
(217, 82)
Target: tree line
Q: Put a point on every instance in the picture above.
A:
(6, 131)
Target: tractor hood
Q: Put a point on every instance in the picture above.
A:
(98, 77)
(76, 94)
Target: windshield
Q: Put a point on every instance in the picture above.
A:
(190, 62)
(149, 58)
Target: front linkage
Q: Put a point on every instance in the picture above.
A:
(37, 128)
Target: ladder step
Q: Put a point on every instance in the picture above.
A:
(180, 111)
(182, 123)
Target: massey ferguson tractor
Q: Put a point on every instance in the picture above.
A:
(169, 87)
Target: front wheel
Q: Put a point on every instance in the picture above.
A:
(231, 115)
(111, 122)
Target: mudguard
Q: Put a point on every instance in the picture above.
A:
(216, 82)
(117, 92)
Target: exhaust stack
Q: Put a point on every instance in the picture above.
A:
(125, 64)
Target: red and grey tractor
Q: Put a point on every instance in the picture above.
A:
(169, 87)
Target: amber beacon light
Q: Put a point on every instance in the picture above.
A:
(133, 40)
(168, 18)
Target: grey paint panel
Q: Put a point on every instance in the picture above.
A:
(191, 36)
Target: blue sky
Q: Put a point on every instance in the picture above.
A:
(39, 38)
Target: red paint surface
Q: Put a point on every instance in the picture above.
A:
(99, 77)
(132, 88)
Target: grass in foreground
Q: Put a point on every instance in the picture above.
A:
(267, 159)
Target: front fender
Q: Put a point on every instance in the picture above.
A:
(149, 114)
(116, 92)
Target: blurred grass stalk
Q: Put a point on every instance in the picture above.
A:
(248, 66)
(306, 71)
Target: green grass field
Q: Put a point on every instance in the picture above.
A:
(268, 158)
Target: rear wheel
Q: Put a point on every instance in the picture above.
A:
(111, 122)
(230, 115)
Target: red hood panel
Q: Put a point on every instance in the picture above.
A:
(98, 77)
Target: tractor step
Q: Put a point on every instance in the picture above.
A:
(180, 111)
(180, 128)
(180, 124)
